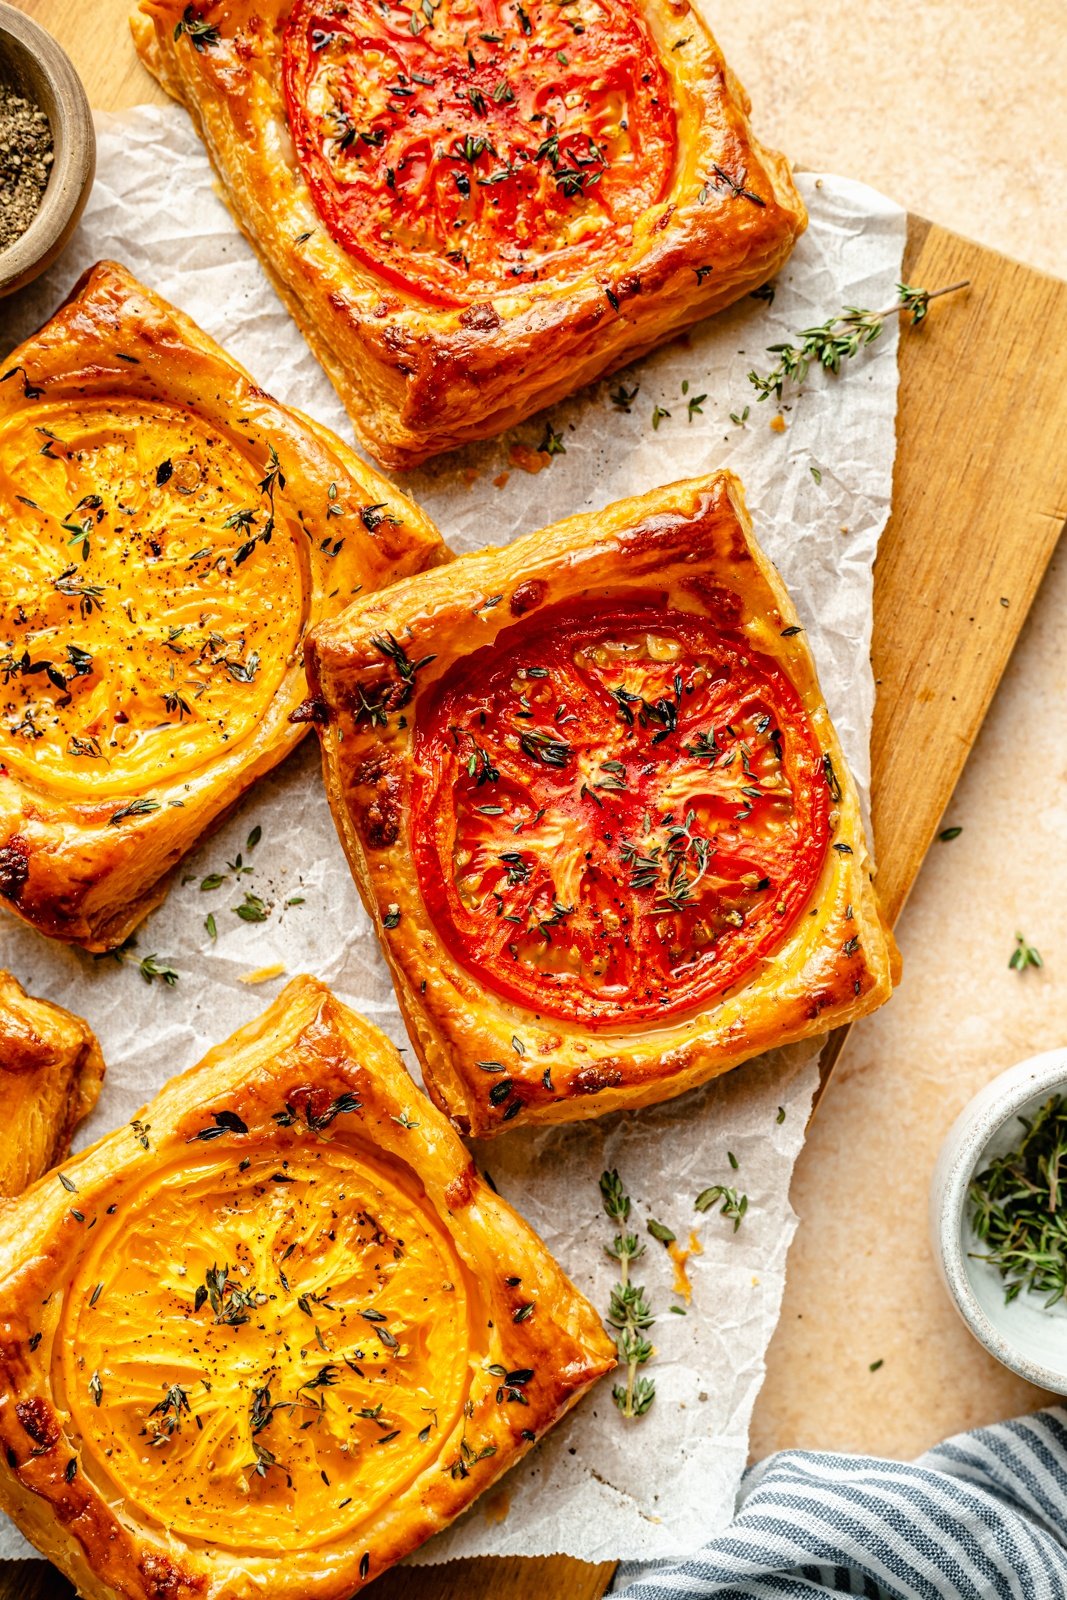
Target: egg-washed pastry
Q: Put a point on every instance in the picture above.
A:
(474, 207)
(592, 797)
(168, 533)
(51, 1070)
(276, 1332)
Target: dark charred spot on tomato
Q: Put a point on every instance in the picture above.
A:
(594, 1079)
(481, 318)
(461, 1191)
(164, 1580)
(39, 1421)
(528, 596)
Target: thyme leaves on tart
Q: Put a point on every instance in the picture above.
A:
(1018, 1207)
(223, 1122)
(244, 519)
(840, 338)
(629, 1313)
(141, 807)
(170, 1411)
(373, 516)
(398, 694)
(30, 390)
(88, 595)
(316, 1121)
(511, 1389)
(201, 35)
(230, 1301)
(720, 179)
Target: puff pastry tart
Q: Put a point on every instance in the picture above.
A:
(50, 1075)
(592, 796)
(474, 207)
(287, 1334)
(169, 533)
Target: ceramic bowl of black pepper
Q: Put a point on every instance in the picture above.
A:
(47, 149)
(998, 1218)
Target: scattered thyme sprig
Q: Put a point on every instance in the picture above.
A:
(1019, 1208)
(1024, 955)
(734, 1205)
(840, 338)
(629, 1312)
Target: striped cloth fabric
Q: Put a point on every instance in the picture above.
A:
(981, 1517)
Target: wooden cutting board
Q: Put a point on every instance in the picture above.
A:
(980, 499)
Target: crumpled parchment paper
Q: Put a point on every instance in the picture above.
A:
(599, 1488)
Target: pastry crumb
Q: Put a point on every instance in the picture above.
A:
(520, 455)
(501, 479)
(262, 974)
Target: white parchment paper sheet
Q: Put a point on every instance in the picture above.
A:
(598, 1488)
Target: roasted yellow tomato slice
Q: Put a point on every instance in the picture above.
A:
(260, 1332)
(146, 624)
(617, 813)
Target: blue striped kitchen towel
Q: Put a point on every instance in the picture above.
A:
(981, 1517)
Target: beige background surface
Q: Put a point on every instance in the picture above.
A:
(947, 106)
(941, 105)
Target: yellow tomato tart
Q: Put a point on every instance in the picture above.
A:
(50, 1076)
(591, 794)
(474, 207)
(169, 533)
(275, 1333)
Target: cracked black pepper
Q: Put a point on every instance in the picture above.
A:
(26, 157)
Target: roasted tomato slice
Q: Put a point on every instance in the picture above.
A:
(463, 147)
(617, 812)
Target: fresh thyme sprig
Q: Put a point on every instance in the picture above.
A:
(840, 338)
(1024, 955)
(1018, 1207)
(629, 1312)
(734, 1205)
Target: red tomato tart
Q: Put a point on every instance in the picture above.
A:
(473, 207)
(592, 796)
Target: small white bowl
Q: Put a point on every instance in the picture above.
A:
(1022, 1335)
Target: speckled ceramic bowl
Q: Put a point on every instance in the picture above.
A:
(32, 63)
(1022, 1335)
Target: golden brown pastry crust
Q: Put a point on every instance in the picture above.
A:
(51, 1070)
(692, 542)
(307, 1091)
(119, 371)
(417, 379)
